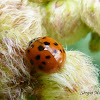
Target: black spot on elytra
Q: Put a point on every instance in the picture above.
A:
(43, 63)
(40, 48)
(31, 61)
(40, 67)
(28, 51)
(55, 43)
(63, 50)
(55, 51)
(60, 50)
(43, 37)
(32, 46)
(47, 57)
(37, 57)
(46, 43)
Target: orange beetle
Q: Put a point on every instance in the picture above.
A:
(45, 54)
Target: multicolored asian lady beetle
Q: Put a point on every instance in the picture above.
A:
(45, 54)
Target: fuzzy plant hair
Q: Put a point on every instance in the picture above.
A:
(63, 22)
(90, 14)
(19, 23)
(20, 16)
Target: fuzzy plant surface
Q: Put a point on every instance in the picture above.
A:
(90, 14)
(63, 22)
(20, 16)
(94, 44)
(20, 23)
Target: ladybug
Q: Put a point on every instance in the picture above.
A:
(45, 54)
